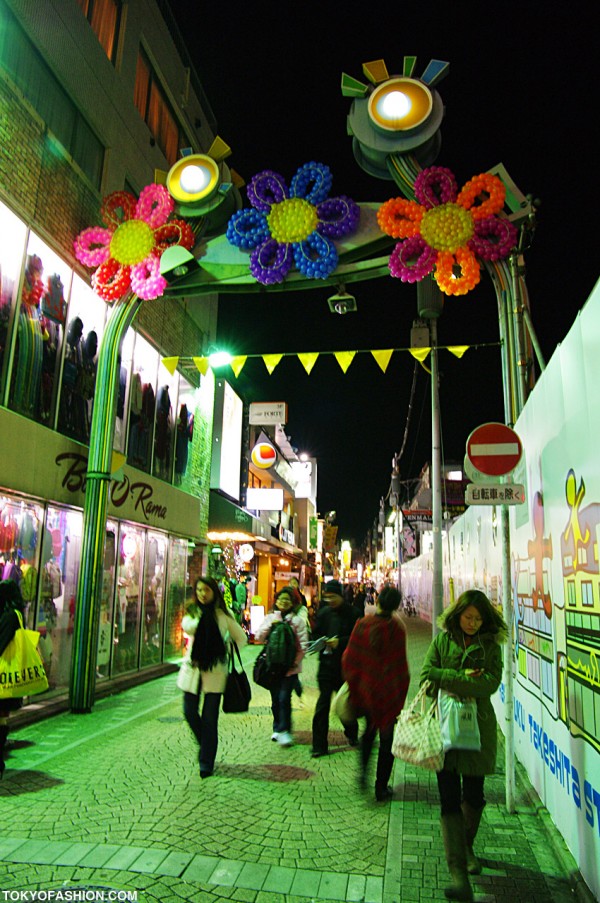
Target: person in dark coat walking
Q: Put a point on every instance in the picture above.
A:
(335, 621)
(11, 602)
(466, 659)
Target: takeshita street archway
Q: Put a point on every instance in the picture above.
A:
(295, 236)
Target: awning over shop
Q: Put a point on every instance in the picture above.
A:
(227, 521)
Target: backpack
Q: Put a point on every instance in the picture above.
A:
(281, 648)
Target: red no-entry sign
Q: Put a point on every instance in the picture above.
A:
(494, 449)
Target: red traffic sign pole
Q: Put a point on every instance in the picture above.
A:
(494, 449)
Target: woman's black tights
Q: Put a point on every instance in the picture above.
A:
(451, 794)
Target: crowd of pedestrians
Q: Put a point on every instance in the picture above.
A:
(360, 638)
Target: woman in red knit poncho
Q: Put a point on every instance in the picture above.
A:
(375, 666)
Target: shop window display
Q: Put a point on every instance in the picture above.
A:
(127, 603)
(175, 598)
(184, 429)
(106, 631)
(142, 404)
(166, 397)
(153, 599)
(61, 554)
(19, 548)
(87, 315)
(125, 366)
(11, 260)
(40, 330)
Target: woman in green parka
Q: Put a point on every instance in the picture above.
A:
(466, 659)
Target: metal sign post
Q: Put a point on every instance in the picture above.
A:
(494, 450)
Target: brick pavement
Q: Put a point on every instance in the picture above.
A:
(113, 800)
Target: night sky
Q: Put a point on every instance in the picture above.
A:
(521, 90)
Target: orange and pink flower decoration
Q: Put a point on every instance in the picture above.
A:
(447, 230)
(127, 252)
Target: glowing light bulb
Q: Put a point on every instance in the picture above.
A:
(394, 105)
(194, 179)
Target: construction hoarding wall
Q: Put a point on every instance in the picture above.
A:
(555, 574)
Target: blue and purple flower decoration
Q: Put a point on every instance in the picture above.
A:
(295, 225)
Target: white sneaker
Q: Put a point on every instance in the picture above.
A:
(274, 736)
(285, 738)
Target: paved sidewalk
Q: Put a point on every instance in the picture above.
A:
(113, 800)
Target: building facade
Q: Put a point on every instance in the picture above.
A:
(95, 98)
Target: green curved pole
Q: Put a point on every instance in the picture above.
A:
(89, 584)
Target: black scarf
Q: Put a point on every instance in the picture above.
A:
(208, 647)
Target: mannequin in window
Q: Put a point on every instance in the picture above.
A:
(185, 432)
(53, 310)
(86, 377)
(73, 419)
(29, 351)
(163, 433)
(135, 414)
(146, 423)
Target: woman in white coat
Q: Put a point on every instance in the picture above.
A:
(211, 628)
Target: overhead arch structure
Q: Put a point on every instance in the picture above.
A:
(395, 122)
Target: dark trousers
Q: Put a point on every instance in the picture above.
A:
(205, 728)
(320, 726)
(281, 703)
(451, 795)
(385, 759)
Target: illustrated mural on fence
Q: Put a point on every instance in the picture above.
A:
(555, 574)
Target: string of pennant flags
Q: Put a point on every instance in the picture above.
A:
(309, 358)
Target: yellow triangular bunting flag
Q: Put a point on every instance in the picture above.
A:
(308, 360)
(117, 462)
(170, 363)
(201, 364)
(383, 358)
(271, 361)
(458, 350)
(344, 358)
(237, 364)
(419, 353)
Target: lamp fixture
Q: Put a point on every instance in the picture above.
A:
(342, 302)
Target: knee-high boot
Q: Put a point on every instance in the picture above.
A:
(472, 818)
(3, 736)
(453, 834)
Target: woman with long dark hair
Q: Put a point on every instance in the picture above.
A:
(11, 602)
(466, 659)
(211, 628)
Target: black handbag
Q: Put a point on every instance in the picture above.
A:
(262, 674)
(238, 694)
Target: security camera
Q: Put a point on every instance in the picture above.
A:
(342, 303)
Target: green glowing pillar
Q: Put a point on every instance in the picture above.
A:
(89, 584)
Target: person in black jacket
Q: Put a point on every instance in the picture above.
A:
(11, 601)
(335, 622)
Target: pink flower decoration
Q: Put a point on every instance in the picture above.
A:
(127, 253)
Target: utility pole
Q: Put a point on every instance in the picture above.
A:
(395, 501)
(430, 305)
